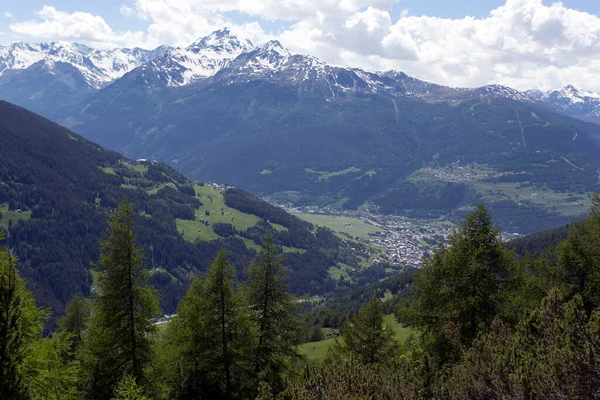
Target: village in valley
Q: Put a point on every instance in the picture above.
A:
(393, 239)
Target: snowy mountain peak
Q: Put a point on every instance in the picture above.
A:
(222, 42)
(504, 91)
(99, 67)
(577, 94)
(572, 101)
(567, 95)
(274, 46)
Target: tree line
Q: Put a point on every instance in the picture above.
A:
(487, 324)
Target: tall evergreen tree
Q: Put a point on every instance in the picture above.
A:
(579, 258)
(185, 344)
(212, 333)
(224, 320)
(272, 312)
(463, 286)
(366, 337)
(75, 321)
(120, 332)
(20, 325)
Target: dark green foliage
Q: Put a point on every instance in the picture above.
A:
(272, 313)
(59, 177)
(366, 338)
(579, 258)
(122, 310)
(537, 243)
(552, 353)
(20, 325)
(352, 380)
(128, 389)
(211, 338)
(232, 132)
(30, 367)
(463, 286)
(75, 321)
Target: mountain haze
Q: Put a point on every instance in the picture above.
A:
(57, 190)
(293, 128)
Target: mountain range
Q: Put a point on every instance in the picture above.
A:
(57, 191)
(295, 129)
(577, 103)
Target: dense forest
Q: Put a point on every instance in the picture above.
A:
(487, 323)
(57, 189)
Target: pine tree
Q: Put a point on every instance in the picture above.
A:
(20, 325)
(272, 313)
(186, 338)
(75, 321)
(366, 337)
(120, 332)
(226, 326)
(463, 286)
(579, 258)
(128, 389)
(49, 370)
(212, 334)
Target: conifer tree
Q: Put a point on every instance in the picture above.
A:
(272, 313)
(463, 286)
(366, 337)
(579, 258)
(212, 333)
(75, 321)
(20, 325)
(186, 338)
(120, 332)
(226, 326)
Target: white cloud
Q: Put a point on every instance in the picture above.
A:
(8, 14)
(523, 43)
(126, 11)
(77, 26)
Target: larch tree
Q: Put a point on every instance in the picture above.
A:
(211, 335)
(273, 315)
(121, 330)
(463, 286)
(579, 258)
(20, 325)
(75, 321)
(224, 320)
(366, 337)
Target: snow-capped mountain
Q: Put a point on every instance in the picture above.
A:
(273, 62)
(202, 59)
(571, 101)
(219, 58)
(99, 67)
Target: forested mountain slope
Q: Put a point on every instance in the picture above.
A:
(57, 188)
(403, 154)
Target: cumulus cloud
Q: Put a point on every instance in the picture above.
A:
(126, 11)
(77, 26)
(523, 43)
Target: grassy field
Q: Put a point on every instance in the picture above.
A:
(354, 227)
(213, 211)
(567, 204)
(325, 175)
(317, 351)
(13, 216)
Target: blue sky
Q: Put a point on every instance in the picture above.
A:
(521, 43)
(109, 10)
